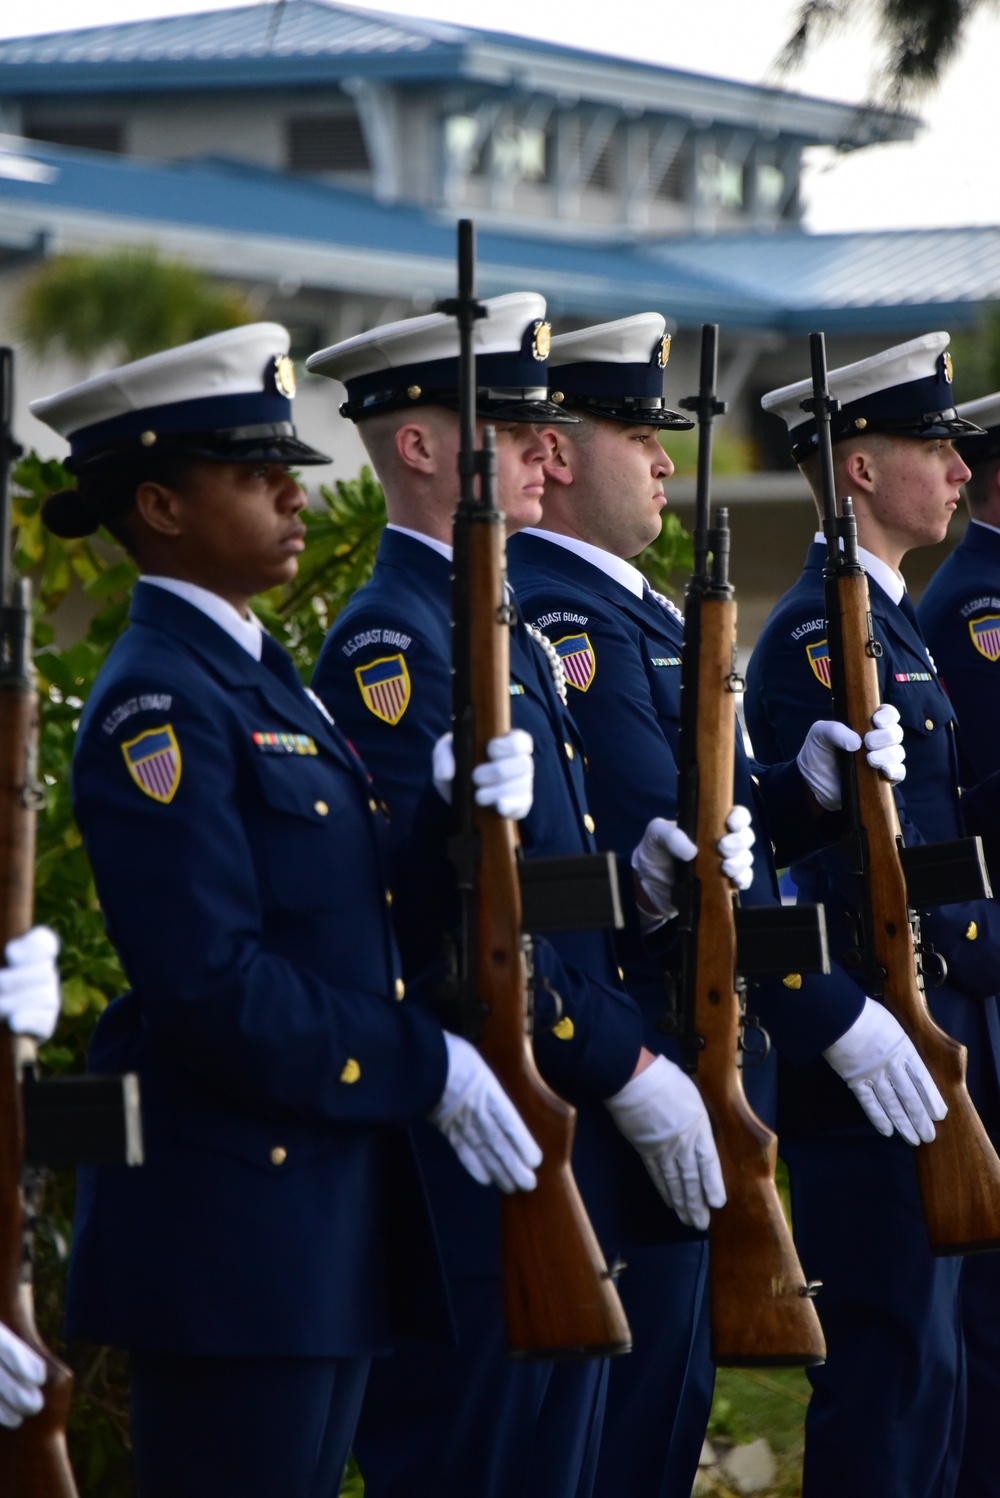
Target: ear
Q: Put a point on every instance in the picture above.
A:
(558, 466)
(159, 508)
(417, 447)
(859, 468)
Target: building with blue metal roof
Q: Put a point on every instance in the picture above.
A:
(320, 155)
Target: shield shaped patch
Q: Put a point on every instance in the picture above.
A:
(154, 762)
(385, 687)
(985, 634)
(577, 656)
(819, 660)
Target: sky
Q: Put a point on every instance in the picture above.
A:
(946, 176)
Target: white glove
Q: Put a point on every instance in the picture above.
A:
(817, 759)
(734, 848)
(29, 984)
(504, 781)
(881, 1067)
(654, 862)
(22, 1374)
(482, 1125)
(661, 1114)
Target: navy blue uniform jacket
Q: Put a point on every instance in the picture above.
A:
(239, 859)
(786, 692)
(959, 615)
(385, 674)
(629, 712)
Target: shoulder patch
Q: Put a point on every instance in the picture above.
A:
(985, 634)
(809, 627)
(384, 636)
(147, 702)
(578, 660)
(154, 762)
(818, 656)
(385, 687)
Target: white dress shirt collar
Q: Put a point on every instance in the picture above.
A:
(887, 578)
(615, 567)
(246, 632)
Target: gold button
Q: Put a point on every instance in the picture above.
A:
(971, 931)
(279, 1155)
(148, 439)
(351, 1072)
(565, 1030)
(388, 897)
(372, 805)
(400, 988)
(621, 974)
(792, 980)
(321, 808)
(588, 822)
(569, 750)
(928, 723)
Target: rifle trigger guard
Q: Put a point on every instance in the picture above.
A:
(756, 1054)
(874, 649)
(934, 965)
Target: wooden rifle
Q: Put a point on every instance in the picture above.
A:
(761, 1306)
(959, 1172)
(58, 1121)
(559, 1299)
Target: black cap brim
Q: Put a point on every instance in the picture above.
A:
(630, 412)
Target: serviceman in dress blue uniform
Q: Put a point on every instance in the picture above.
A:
(29, 1005)
(959, 616)
(960, 610)
(467, 1421)
(888, 1408)
(275, 1239)
(621, 645)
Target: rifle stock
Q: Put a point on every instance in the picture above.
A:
(33, 1458)
(761, 1307)
(959, 1172)
(559, 1299)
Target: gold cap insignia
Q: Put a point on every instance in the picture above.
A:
(542, 341)
(949, 368)
(284, 375)
(663, 352)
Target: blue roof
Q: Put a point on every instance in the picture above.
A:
(316, 42)
(248, 221)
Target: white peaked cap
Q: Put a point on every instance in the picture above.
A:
(419, 340)
(226, 364)
(985, 412)
(900, 365)
(630, 340)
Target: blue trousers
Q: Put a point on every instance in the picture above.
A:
(467, 1422)
(979, 1476)
(660, 1396)
(243, 1427)
(887, 1414)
